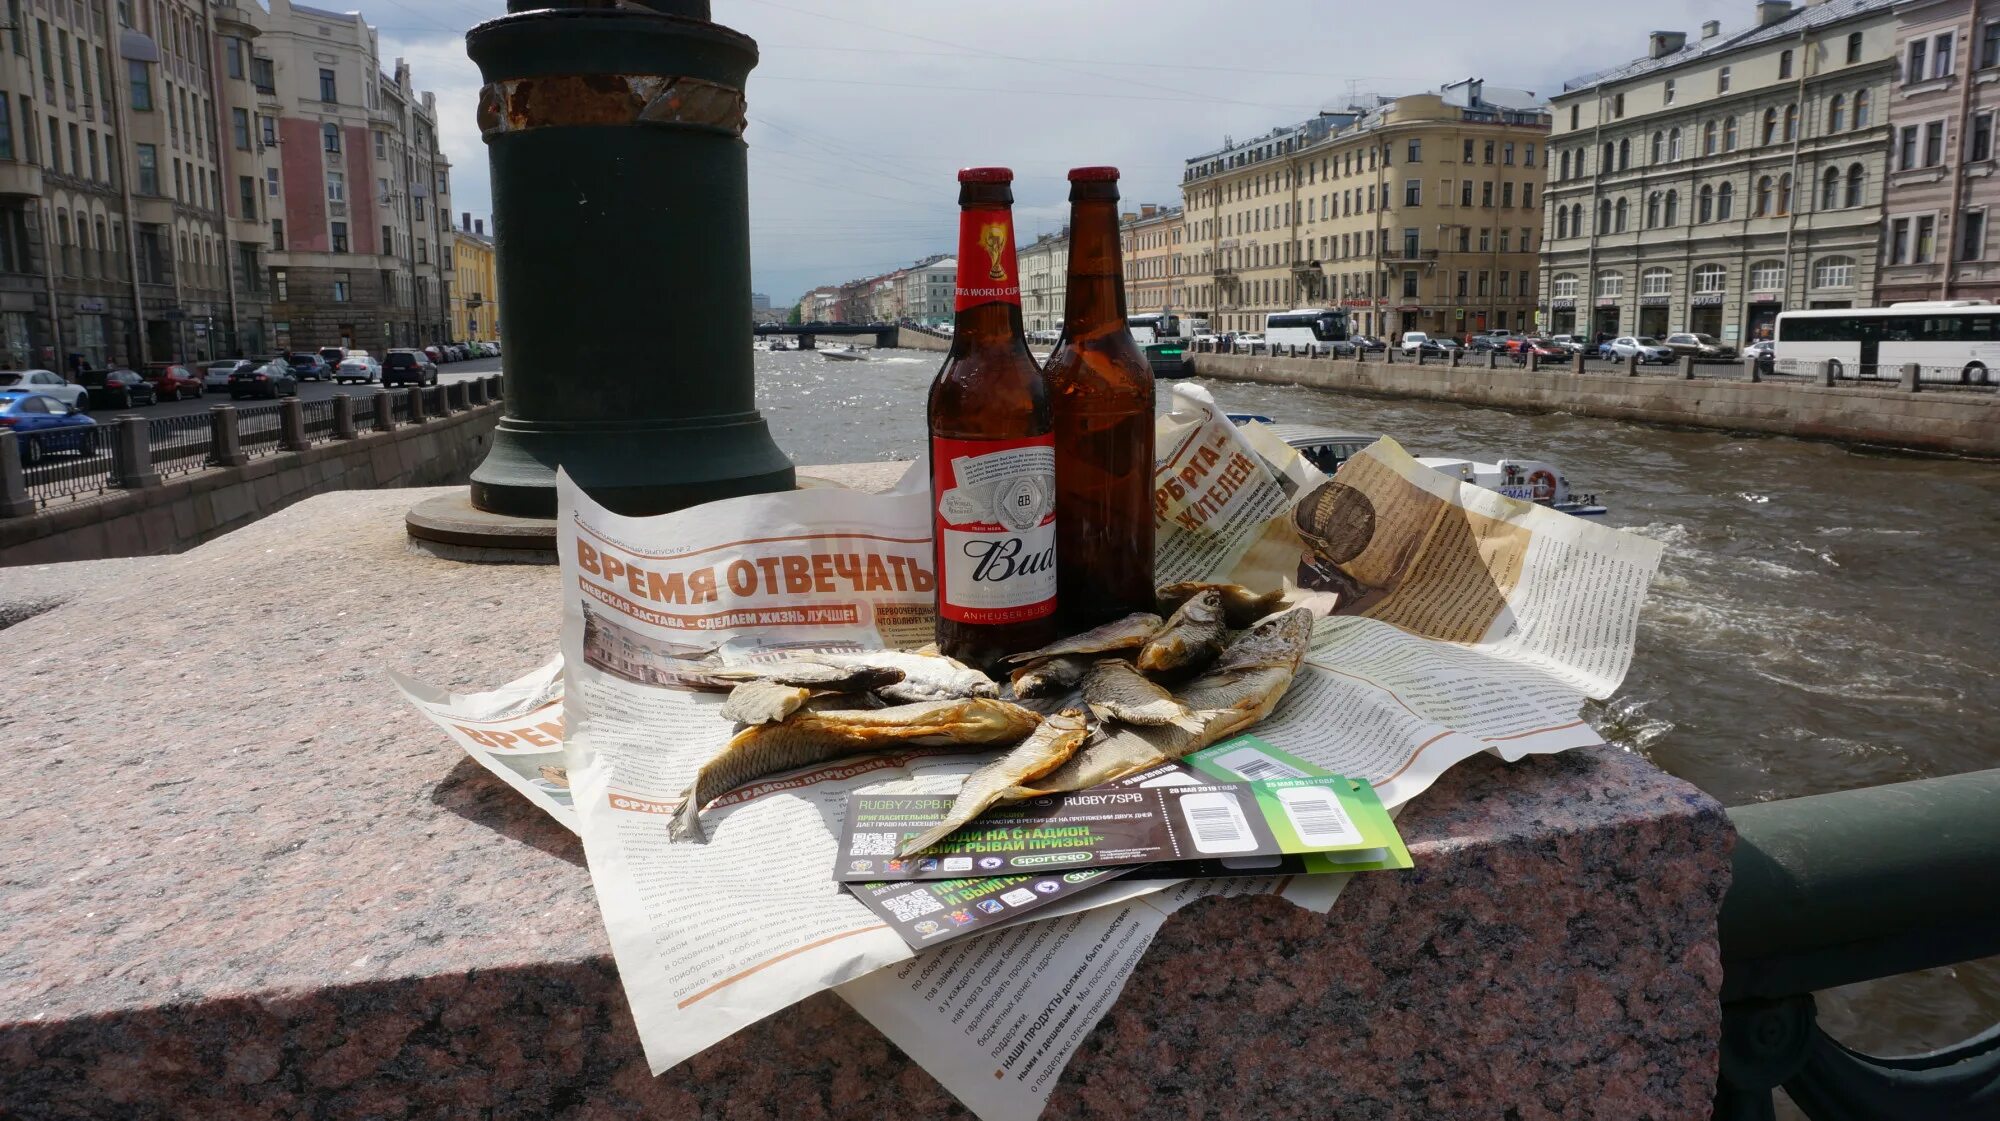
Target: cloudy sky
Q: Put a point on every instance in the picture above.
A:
(862, 110)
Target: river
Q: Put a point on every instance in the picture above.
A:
(1818, 623)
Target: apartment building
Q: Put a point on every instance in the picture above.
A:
(1708, 185)
(475, 291)
(927, 288)
(1044, 269)
(1416, 213)
(354, 189)
(1150, 241)
(1943, 191)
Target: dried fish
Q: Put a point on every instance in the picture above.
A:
(1049, 747)
(1240, 606)
(925, 677)
(1113, 690)
(816, 672)
(1190, 640)
(764, 702)
(1243, 688)
(806, 738)
(1128, 633)
(1050, 677)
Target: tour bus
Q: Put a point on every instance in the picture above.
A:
(1317, 328)
(1160, 326)
(1949, 340)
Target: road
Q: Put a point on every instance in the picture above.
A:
(308, 391)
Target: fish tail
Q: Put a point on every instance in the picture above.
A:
(929, 837)
(686, 825)
(1192, 722)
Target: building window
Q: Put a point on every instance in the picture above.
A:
(1785, 193)
(1416, 151)
(1834, 272)
(232, 56)
(1653, 210)
(1410, 284)
(271, 181)
(1659, 147)
(340, 237)
(1464, 284)
(1722, 80)
(1989, 48)
(1972, 235)
(1784, 65)
(1610, 284)
(1981, 146)
(423, 251)
(1654, 281)
(1860, 108)
(1528, 194)
(1528, 155)
(142, 85)
(327, 91)
(336, 187)
(1762, 205)
(1563, 287)
(1465, 193)
(149, 169)
(1933, 143)
(1856, 179)
(1617, 108)
(1926, 238)
(278, 234)
(1667, 92)
(1791, 123)
(329, 136)
(1770, 133)
(381, 145)
(1468, 147)
(1673, 208)
(1942, 56)
(1854, 48)
(1673, 144)
(262, 75)
(1603, 216)
(1708, 278)
(1729, 134)
(1767, 276)
(1413, 192)
(267, 130)
(341, 289)
(1705, 204)
(1708, 139)
(6, 130)
(1562, 221)
(1725, 202)
(279, 286)
(1574, 110)
(1836, 113)
(239, 128)
(1489, 152)
(388, 239)
(1507, 154)
(1829, 189)
(1621, 210)
(246, 189)
(1565, 168)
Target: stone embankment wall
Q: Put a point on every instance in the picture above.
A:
(1964, 422)
(183, 512)
(913, 339)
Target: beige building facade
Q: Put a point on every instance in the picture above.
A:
(1943, 182)
(1044, 265)
(1151, 241)
(1417, 213)
(1710, 184)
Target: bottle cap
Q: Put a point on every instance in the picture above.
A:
(1092, 174)
(986, 175)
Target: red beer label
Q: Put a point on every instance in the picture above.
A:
(987, 270)
(996, 528)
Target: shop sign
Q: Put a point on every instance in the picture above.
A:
(90, 303)
(1410, 307)
(1763, 297)
(1563, 303)
(1652, 301)
(1607, 301)
(1706, 299)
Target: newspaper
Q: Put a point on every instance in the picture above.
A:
(1465, 622)
(515, 731)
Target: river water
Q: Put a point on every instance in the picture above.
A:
(1822, 620)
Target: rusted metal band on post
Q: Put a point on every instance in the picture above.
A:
(591, 100)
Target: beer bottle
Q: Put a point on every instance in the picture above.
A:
(993, 486)
(1102, 390)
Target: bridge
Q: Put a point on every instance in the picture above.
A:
(885, 333)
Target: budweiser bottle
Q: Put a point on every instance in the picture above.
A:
(1102, 390)
(993, 484)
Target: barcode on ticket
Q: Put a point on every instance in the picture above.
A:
(874, 844)
(911, 905)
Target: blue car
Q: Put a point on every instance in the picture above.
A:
(44, 425)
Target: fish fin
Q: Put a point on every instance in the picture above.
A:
(929, 837)
(686, 825)
(1192, 722)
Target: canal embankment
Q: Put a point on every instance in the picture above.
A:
(1954, 421)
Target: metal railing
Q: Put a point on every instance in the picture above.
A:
(259, 427)
(55, 471)
(1840, 888)
(319, 420)
(364, 411)
(399, 408)
(181, 443)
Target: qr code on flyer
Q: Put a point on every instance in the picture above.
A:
(874, 844)
(912, 904)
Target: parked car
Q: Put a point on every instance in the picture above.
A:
(48, 382)
(119, 389)
(1568, 344)
(431, 352)
(361, 368)
(1646, 347)
(44, 424)
(216, 375)
(408, 367)
(1481, 343)
(309, 366)
(1519, 348)
(273, 379)
(1700, 346)
(1369, 344)
(1765, 353)
(335, 355)
(1413, 340)
(172, 382)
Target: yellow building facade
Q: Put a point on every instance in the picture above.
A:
(475, 298)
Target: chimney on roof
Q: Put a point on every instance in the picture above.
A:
(1660, 44)
(465, 220)
(1147, 209)
(479, 226)
(1771, 11)
(1711, 29)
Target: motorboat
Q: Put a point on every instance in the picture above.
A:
(1531, 480)
(844, 353)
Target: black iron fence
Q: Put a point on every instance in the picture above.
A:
(364, 412)
(259, 427)
(319, 421)
(181, 443)
(58, 468)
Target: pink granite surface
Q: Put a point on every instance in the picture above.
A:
(242, 880)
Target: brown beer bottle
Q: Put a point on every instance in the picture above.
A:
(992, 448)
(1102, 389)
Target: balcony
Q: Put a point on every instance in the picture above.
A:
(19, 177)
(1404, 256)
(1225, 272)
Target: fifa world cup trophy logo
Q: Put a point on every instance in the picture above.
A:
(993, 239)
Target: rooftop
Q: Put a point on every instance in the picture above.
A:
(1802, 18)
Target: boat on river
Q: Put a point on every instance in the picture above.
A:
(843, 353)
(1531, 480)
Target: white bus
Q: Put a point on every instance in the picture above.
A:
(1949, 340)
(1315, 328)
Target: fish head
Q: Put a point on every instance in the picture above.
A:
(1203, 607)
(1278, 640)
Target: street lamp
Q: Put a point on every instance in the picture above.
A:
(620, 198)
